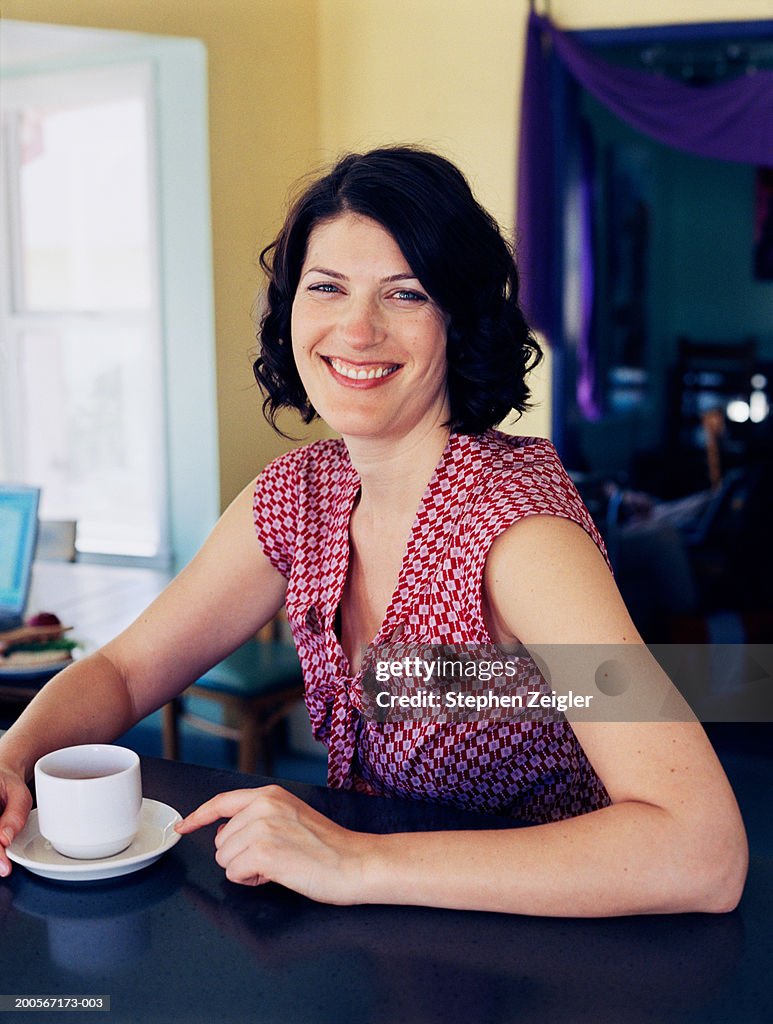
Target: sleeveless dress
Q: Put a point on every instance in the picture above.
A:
(534, 770)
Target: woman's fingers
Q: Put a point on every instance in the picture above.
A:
(243, 864)
(271, 835)
(236, 851)
(256, 819)
(16, 801)
(224, 805)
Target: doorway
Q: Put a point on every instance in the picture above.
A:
(670, 398)
(673, 243)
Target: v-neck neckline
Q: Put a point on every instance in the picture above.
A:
(409, 574)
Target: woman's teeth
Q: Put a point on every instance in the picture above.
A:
(353, 373)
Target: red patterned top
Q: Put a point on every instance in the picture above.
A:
(534, 770)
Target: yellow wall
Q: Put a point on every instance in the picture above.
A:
(578, 14)
(294, 82)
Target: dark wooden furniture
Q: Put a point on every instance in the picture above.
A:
(706, 377)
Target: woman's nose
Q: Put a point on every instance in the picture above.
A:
(362, 323)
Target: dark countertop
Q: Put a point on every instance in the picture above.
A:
(177, 942)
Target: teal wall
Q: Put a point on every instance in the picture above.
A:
(703, 260)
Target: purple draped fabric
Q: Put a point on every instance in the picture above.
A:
(536, 243)
(730, 120)
(589, 399)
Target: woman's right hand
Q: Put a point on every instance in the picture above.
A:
(15, 805)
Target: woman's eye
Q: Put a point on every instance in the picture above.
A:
(325, 287)
(406, 295)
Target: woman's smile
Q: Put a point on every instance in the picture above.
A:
(360, 374)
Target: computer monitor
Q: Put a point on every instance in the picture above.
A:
(18, 535)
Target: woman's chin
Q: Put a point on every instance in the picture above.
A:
(358, 426)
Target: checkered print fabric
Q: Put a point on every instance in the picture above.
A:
(533, 770)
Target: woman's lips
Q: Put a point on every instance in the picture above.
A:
(360, 374)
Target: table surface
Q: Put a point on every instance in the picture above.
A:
(178, 942)
(97, 601)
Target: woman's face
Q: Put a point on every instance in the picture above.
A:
(368, 341)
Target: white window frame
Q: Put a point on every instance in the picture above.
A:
(179, 74)
(67, 90)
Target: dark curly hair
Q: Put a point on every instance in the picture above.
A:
(452, 245)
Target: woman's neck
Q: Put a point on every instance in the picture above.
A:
(395, 475)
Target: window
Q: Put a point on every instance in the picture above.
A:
(81, 325)
(152, 315)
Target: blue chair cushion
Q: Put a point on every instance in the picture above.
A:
(254, 670)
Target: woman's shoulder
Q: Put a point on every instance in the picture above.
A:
(317, 476)
(515, 461)
(499, 448)
(521, 477)
(315, 458)
(305, 477)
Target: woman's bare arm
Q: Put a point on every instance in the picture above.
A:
(223, 597)
(672, 840)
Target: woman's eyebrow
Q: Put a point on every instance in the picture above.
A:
(402, 276)
(406, 276)
(327, 272)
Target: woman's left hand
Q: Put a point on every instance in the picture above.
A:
(273, 836)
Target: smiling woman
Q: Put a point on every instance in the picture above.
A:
(421, 532)
(443, 249)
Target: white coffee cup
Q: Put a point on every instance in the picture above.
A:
(89, 799)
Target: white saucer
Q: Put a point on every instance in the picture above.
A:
(155, 837)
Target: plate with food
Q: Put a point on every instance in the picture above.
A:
(38, 647)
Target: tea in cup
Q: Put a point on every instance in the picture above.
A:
(89, 799)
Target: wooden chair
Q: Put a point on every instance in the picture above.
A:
(255, 687)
